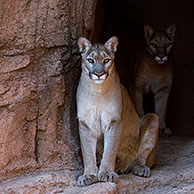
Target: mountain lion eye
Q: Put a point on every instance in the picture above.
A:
(154, 45)
(90, 60)
(167, 45)
(106, 60)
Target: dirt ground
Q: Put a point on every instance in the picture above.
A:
(173, 172)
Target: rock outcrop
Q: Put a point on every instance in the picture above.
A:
(172, 173)
(39, 71)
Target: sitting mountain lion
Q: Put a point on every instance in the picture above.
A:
(113, 137)
(154, 73)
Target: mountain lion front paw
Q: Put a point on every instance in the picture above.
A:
(141, 170)
(108, 177)
(84, 180)
(165, 132)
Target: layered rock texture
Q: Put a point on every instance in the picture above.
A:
(39, 73)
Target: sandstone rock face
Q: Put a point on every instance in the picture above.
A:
(39, 71)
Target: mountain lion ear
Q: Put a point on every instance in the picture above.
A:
(112, 43)
(148, 30)
(84, 44)
(171, 30)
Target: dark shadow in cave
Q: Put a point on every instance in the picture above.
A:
(125, 19)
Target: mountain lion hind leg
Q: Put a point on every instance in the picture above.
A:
(147, 148)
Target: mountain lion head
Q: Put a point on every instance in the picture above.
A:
(159, 44)
(97, 59)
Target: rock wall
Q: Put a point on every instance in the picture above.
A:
(39, 71)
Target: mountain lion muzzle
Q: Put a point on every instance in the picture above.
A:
(113, 137)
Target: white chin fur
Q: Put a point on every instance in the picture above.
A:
(98, 81)
(160, 62)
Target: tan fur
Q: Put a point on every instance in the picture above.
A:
(154, 73)
(108, 122)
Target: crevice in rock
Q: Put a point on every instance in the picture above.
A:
(36, 139)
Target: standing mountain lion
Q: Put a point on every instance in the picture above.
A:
(154, 73)
(113, 137)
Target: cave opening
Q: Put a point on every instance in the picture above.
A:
(125, 19)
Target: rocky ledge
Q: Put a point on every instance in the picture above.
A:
(173, 172)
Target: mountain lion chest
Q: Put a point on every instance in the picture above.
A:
(98, 111)
(152, 76)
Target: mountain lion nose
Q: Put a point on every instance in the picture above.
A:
(161, 55)
(164, 58)
(99, 74)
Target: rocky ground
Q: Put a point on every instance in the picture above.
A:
(173, 172)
